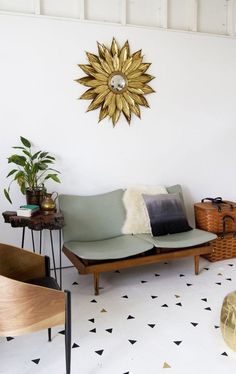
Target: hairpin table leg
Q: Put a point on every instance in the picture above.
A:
(23, 237)
(60, 258)
(40, 241)
(53, 256)
(32, 236)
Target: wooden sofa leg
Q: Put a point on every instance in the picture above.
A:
(96, 283)
(196, 264)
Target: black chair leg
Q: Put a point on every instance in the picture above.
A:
(68, 332)
(49, 334)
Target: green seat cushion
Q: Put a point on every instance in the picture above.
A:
(89, 218)
(181, 240)
(109, 249)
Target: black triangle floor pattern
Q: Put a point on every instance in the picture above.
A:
(100, 352)
(9, 338)
(109, 330)
(36, 361)
(128, 315)
(178, 342)
(132, 341)
(75, 345)
(179, 304)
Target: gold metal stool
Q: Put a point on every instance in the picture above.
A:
(228, 320)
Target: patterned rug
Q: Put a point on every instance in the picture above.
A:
(146, 320)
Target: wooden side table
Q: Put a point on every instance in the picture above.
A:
(39, 222)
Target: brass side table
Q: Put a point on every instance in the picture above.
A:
(39, 222)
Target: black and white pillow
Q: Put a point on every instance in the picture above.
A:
(166, 214)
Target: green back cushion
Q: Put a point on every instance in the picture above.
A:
(89, 218)
(178, 190)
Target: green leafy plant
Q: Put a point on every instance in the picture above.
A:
(31, 170)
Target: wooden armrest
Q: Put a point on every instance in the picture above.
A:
(37, 307)
(20, 264)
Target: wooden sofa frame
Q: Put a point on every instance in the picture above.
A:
(152, 256)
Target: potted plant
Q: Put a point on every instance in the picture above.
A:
(32, 170)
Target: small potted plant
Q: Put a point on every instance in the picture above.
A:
(32, 170)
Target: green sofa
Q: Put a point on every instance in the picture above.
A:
(94, 242)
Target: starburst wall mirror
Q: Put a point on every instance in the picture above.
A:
(117, 82)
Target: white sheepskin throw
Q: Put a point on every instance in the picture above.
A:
(137, 220)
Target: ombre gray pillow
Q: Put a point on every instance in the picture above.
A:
(166, 214)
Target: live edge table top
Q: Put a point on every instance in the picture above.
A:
(39, 221)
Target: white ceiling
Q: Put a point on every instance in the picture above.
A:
(208, 16)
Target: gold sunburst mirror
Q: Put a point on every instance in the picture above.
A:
(117, 81)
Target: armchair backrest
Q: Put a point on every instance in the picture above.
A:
(90, 218)
(20, 264)
(27, 308)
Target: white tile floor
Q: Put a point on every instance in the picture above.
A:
(146, 320)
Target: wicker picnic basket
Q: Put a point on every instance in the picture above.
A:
(210, 218)
(224, 247)
(221, 220)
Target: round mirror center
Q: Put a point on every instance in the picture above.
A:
(117, 83)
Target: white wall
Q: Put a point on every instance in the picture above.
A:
(187, 136)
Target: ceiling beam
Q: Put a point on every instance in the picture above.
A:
(191, 14)
(37, 7)
(82, 9)
(231, 9)
(123, 12)
(164, 14)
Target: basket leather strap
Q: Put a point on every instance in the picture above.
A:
(217, 201)
(229, 203)
(225, 218)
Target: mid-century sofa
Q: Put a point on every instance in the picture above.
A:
(94, 241)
